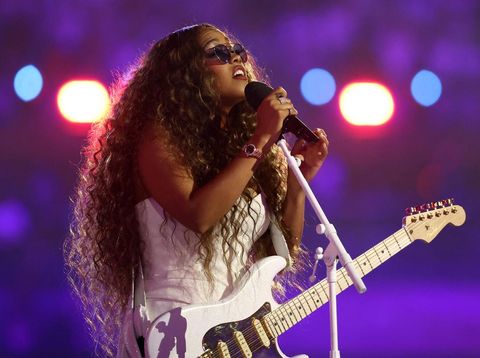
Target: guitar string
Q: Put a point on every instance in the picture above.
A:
(371, 255)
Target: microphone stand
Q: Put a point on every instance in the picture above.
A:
(335, 250)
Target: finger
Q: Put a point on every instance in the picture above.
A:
(322, 135)
(324, 150)
(285, 109)
(298, 146)
(281, 103)
(299, 159)
(280, 92)
(293, 111)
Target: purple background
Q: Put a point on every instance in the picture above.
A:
(422, 303)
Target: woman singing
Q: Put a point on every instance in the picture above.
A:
(183, 181)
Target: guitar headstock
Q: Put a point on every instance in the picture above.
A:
(425, 221)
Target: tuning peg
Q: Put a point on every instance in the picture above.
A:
(420, 208)
(411, 210)
(447, 202)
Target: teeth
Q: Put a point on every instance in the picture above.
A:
(238, 72)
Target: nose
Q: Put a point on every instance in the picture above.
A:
(234, 57)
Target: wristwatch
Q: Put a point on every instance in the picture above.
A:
(250, 151)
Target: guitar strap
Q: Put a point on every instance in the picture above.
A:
(140, 316)
(139, 300)
(279, 242)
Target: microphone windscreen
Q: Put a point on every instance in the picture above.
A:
(255, 92)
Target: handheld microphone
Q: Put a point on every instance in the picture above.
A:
(255, 92)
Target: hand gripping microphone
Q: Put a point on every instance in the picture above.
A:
(255, 92)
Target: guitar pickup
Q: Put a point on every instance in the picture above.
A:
(222, 350)
(260, 331)
(242, 344)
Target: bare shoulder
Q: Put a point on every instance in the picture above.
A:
(161, 172)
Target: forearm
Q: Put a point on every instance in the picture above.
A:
(294, 209)
(212, 201)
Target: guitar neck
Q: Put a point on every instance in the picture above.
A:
(293, 311)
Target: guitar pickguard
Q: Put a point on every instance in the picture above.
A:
(225, 333)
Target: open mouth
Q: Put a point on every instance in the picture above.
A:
(239, 73)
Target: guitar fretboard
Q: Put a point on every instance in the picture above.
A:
(293, 311)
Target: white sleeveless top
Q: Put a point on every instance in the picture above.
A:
(173, 272)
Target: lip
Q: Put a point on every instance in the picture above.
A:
(238, 67)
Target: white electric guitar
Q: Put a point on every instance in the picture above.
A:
(248, 322)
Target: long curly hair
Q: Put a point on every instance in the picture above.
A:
(169, 90)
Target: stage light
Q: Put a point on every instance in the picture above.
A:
(83, 101)
(317, 86)
(366, 104)
(426, 88)
(28, 83)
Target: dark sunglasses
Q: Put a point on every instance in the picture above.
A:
(224, 53)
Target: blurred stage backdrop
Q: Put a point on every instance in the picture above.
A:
(425, 54)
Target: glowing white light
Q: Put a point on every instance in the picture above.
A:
(366, 104)
(83, 101)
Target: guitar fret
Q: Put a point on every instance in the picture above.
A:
(281, 321)
(364, 262)
(272, 319)
(272, 324)
(392, 244)
(316, 296)
(382, 255)
(325, 292)
(293, 312)
(375, 260)
(325, 289)
(386, 248)
(376, 253)
(345, 277)
(309, 300)
(312, 300)
(340, 288)
(303, 306)
(359, 266)
(369, 262)
(405, 234)
(299, 309)
(286, 318)
(399, 246)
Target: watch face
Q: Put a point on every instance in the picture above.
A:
(250, 149)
